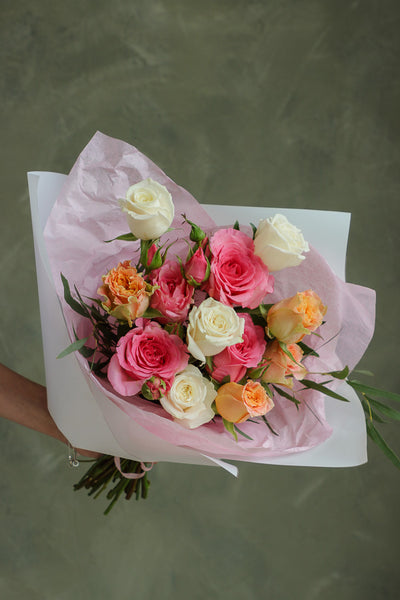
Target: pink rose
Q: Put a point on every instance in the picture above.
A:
(146, 351)
(197, 267)
(236, 359)
(238, 276)
(174, 295)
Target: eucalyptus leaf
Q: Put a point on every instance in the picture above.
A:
(76, 306)
(379, 441)
(126, 237)
(269, 426)
(368, 389)
(308, 351)
(388, 411)
(339, 374)
(77, 345)
(319, 387)
(242, 433)
(287, 396)
(370, 412)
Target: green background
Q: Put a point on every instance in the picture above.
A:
(270, 103)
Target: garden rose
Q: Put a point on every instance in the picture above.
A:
(146, 351)
(280, 368)
(173, 295)
(229, 403)
(126, 292)
(149, 209)
(279, 244)
(256, 399)
(238, 276)
(235, 360)
(291, 319)
(212, 327)
(190, 398)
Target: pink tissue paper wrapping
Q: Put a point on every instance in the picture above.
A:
(86, 213)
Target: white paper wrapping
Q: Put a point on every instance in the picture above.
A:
(89, 420)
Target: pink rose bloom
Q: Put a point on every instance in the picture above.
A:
(146, 351)
(235, 360)
(174, 295)
(197, 267)
(238, 276)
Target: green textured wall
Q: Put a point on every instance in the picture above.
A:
(271, 103)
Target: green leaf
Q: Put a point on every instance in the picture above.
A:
(77, 345)
(264, 418)
(209, 362)
(308, 351)
(76, 306)
(242, 433)
(145, 391)
(254, 228)
(267, 388)
(368, 389)
(339, 374)
(287, 396)
(264, 308)
(152, 313)
(85, 351)
(230, 428)
(379, 441)
(388, 411)
(363, 372)
(372, 415)
(126, 237)
(288, 353)
(256, 373)
(236, 226)
(319, 387)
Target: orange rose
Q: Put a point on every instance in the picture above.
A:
(256, 399)
(126, 292)
(229, 402)
(236, 403)
(291, 319)
(280, 368)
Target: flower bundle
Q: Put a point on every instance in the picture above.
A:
(193, 333)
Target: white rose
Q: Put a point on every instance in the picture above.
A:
(212, 327)
(190, 398)
(279, 244)
(149, 209)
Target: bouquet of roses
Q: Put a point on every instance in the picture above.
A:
(221, 342)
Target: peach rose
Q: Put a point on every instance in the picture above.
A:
(291, 319)
(256, 399)
(236, 403)
(126, 292)
(280, 368)
(229, 403)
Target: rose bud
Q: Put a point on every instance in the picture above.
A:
(197, 268)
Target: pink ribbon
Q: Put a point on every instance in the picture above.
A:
(117, 462)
